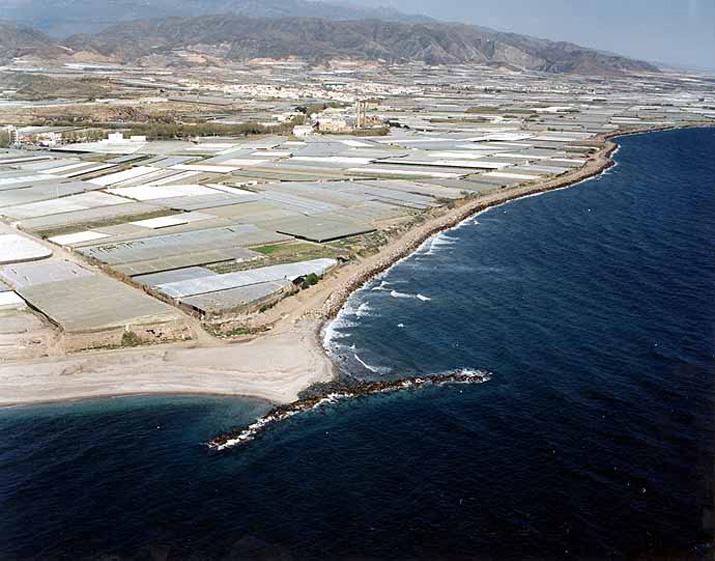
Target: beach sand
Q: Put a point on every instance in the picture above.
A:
(276, 365)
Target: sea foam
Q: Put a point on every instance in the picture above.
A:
(422, 297)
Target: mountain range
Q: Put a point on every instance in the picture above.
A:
(61, 18)
(340, 32)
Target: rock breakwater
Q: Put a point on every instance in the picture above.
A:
(340, 390)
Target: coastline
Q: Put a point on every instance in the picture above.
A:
(276, 366)
(600, 162)
(413, 239)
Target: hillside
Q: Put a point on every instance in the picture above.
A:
(21, 41)
(235, 37)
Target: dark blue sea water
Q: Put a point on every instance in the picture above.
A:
(593, 307)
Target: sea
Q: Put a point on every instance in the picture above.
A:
(592, 309)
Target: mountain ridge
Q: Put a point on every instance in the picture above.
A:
(230, 37)
(23, 41)
(316, 39)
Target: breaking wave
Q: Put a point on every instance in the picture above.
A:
(396, 294)
(381, 286)
(343, 391)
(375, 369)
(364, 310)
(347, 318)
(332, 332)
(435, 243)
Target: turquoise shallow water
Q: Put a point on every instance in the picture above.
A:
(593, 309)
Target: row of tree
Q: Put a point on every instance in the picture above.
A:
(182, 131)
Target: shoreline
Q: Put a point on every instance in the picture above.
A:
(276, 366)
(466, 211)
(600, 162)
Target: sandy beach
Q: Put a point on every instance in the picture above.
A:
(273, 367)
(276, 365)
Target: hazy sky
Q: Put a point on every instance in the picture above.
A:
(669, 31)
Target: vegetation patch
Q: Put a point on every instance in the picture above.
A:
(282, 249)
(238, 331)
(312, 108)
(131, 339)
(170, 131)
(310, 280)
(278, 254)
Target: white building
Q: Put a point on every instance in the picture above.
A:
(303, 130)
(118, 138)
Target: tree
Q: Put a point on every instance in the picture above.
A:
(310, 280)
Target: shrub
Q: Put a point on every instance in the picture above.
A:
(130, 339)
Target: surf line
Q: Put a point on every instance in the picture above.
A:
(346, 390)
